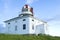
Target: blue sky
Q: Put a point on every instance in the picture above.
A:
(47, 10)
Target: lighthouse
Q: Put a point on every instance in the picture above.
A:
(25, 23)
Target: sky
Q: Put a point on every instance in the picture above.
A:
(46, 10)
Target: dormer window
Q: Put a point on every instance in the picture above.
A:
(8, 23)
(32, 20)
(24, 19)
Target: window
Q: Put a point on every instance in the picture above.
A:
(32, 20)
(15, 28)
(33, 27)
(24, 19)
(24, 26)
(8, 23)
(24, 9)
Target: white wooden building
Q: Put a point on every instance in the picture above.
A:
(25, 23)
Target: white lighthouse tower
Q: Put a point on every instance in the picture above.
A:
(25, 23)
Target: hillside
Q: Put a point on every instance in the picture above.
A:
(27, 37)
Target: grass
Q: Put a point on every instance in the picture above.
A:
(27, 37)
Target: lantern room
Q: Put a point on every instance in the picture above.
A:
(27, 10)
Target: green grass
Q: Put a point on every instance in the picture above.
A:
(27, 37)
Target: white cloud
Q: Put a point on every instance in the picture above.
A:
(30, 1)
(54, 28)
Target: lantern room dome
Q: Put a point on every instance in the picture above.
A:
(26, 6)
(26, 9)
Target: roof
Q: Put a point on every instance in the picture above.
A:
(11, 19)
(19, 17)
(39, 19)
